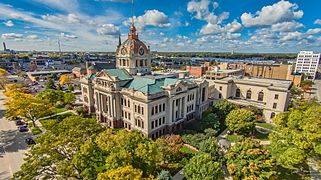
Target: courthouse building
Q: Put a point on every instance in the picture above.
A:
(129, 97)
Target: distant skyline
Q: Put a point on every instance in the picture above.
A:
(257, 26)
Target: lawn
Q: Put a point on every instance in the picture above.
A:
(266, 125)
(234, 138)
(35, 130)
(187, 150)
(60, 110)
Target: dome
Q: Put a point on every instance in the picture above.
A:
(132, 45)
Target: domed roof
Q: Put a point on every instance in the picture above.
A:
(132, 45)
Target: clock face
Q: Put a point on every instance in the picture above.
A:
(123, 51)
(141, 51)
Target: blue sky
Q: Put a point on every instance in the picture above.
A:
(165, 25)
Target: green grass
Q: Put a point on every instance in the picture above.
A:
(260, 136)
(59, 110)
(266, 125)
(234, 138)
(187, 150)
(48, 123)
(35, 130)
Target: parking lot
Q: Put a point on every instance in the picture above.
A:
(12, 145)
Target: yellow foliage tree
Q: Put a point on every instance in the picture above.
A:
(66, 79)
(27, 107)
(124, 173)
(3, 74)
(11, 89)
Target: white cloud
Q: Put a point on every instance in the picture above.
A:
(65, 5)
(162, 34)
(317, 21)
(108, 29)
(9, 23)
(150, 18)
(292, 36)
(286, 26)
(32, 37)
(281, 11)
(314, 31)
(187, 23)
(12, 36)
(73, 18)
(233, 27)
(215, 5)
(212, 29)
(67, 37)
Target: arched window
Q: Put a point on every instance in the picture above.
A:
(238, 93)
(260, 97)
(272, 115)
(248, 94)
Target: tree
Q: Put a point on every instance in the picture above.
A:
(11, 89)
(249, 160)
(164, 175)
(66, 79)
(3, 74)
(240, 121)
(211, 121)
(297, 136)
(27, 107)
(65, 151)
(69, 98)
(223, 108)
(306, 83)
(51, 95)
(50, 84)
(170, 146)
(211, 147)
(202, 166)
(126, 173)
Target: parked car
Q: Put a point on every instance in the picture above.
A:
(19, 122)
(30, 141)
(23, 129)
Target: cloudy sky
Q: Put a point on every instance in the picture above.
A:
(165, 25)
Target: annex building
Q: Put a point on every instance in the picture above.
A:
(129, 97)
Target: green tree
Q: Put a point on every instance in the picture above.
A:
(65, 151)
(51, 95)
(202, 166)
(50, 84)
(126, 173)
(297, 136)
(164, 175)
(69, 98)
(211, 147)
(211, 121)
(240, 121)
(223, 108)
(250, 160)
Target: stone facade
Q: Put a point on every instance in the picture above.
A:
(269, 95)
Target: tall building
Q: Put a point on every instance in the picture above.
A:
(307, 63)
(127, 98)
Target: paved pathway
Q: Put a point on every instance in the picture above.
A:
(12, 145)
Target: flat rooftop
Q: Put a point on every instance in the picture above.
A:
(47, 72)
(225, 70)
(279, 83)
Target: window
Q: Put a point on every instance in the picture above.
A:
(121, 101)
(238, 93)
(156, 109)
(276, 96)
(220, 88)
(142, 110)
(220, 96)
(163, 106)
(272, 115)
(139, 109)
(129, 116)
(152, 110)
(274, 105)
(160, 108)
(152, 124)
(128, 103)
(156, 122)
(163, 120)
(260, 96)
(248, 94)
(160, 121)
(143, 124)
(203, 94)
(136, 108)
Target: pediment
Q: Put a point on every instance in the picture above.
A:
(103, 75)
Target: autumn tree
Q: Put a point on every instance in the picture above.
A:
(28, 107)
(11, 89)
(51, 95)
(66, 79)
(3, 74)
(240, 121)
(297, 136)
(127, 172)
(69, 98)
(250, 160)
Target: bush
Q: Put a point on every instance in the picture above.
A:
(195, 139)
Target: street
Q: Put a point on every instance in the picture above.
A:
(12, 145)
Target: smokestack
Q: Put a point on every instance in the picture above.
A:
(4, 46)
